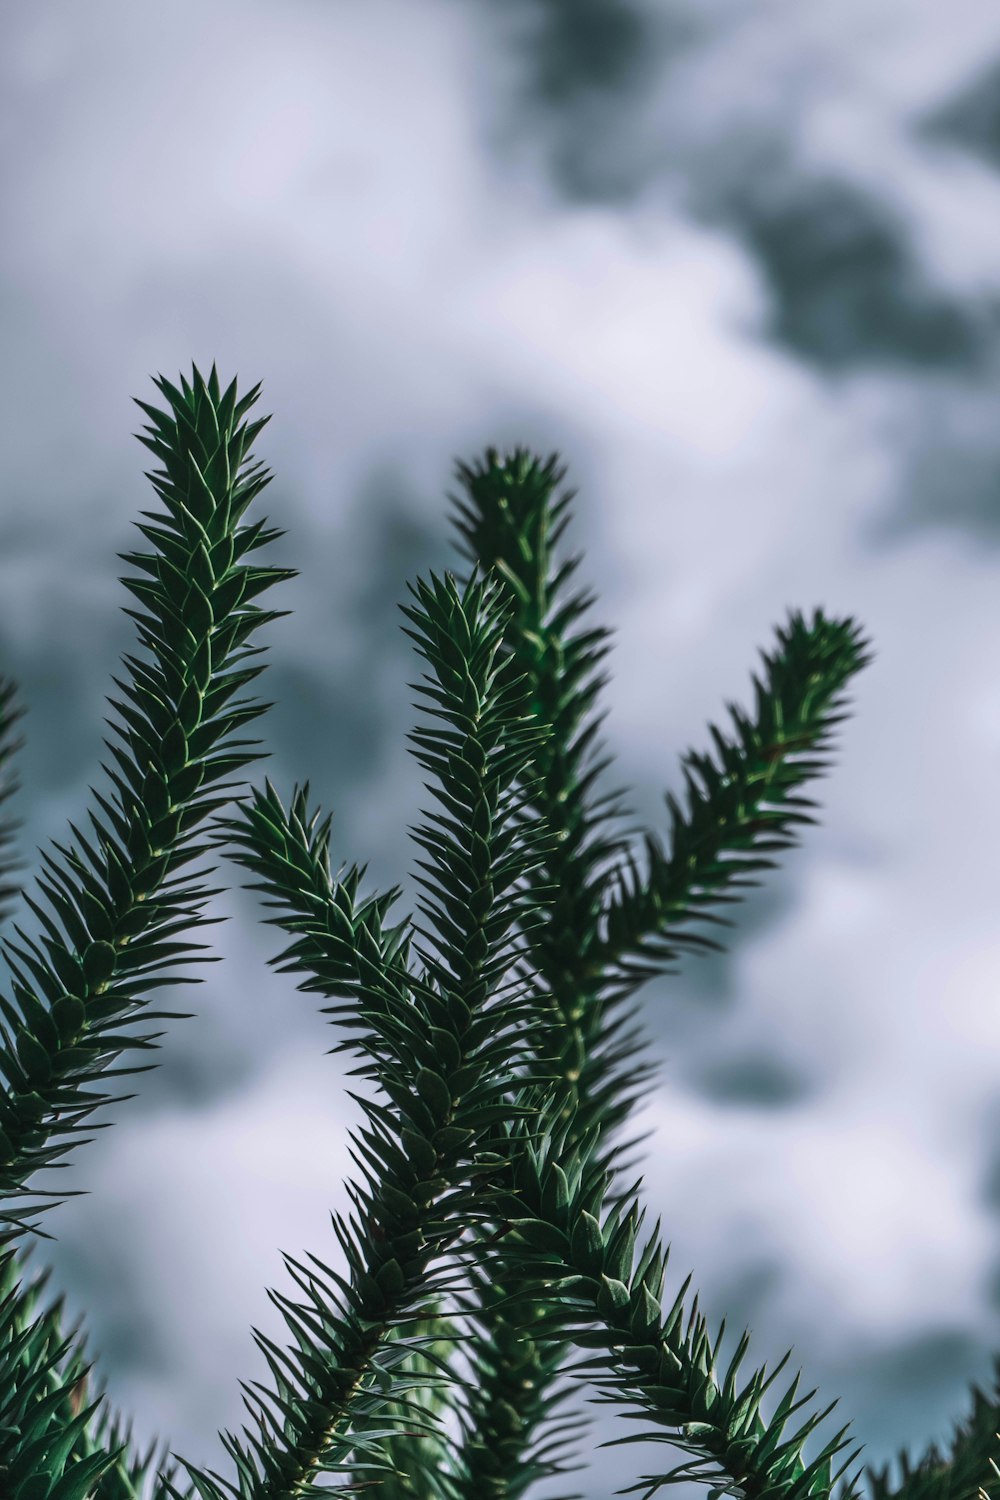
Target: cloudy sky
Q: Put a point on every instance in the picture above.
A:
(739, 265)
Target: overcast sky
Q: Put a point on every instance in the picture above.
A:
(739, 265)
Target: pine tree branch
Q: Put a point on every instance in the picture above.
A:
(117, 907)
(511, 523)
(441, 1042)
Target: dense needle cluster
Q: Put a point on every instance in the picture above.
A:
(491, 1222)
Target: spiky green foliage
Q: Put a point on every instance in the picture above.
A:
(117, 908)
(506, 1058)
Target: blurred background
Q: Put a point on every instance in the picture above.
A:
(739, 265)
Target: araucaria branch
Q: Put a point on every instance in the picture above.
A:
(491, 1217)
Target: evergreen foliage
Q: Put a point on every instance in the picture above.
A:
(492, 1222)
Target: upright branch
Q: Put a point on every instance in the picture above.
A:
(115, 904)
(118, 909)
(602, 921)
(442, 1042)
